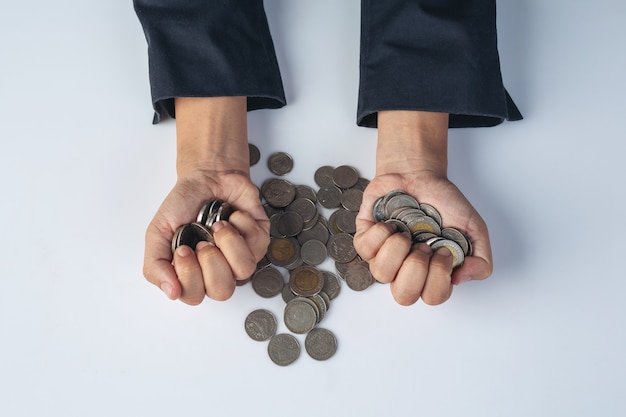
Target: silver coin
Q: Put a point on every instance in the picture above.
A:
(300, 315)
(295, 264)
(398, 226)
(278, 192)
(361, 184)
(320, 344)
(326, 299)
(345, 176)
(274, 220)
(280, 163)
(457, 236)
(351, 199)
(305, 208)
(431, 212)
(322, 307)
(324, 176)
(333, 228)
(332, 285)
(345, 220)
(268, 282)
(306, 281)
(190, 235)
(283, 349)
(304, 191)
(287, 294)
(359, 277)
(454, 248)
(290, 224)
(313, 252)
(379, 210)
(329, 196)
(317, 232)
(270, 211)
(422, 237)
(260, 325)
(342, 267)
(398, 201)
(255, 154)
(402, 212)
(341, 247)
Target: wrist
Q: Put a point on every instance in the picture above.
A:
(412, 141)
(211, 135)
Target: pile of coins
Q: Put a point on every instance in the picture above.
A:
(200, 230)
(424, 224)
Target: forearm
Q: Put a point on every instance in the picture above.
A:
(410, 141)
(212, 135)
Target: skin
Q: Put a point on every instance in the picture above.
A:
(213, 163)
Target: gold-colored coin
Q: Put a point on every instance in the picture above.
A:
(306, 281)
(283, 251)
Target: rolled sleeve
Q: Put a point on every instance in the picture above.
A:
(432, 55)
(199, 48)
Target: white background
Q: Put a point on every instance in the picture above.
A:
(82, 171)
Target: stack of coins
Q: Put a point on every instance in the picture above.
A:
(193, 233)
(405, 214)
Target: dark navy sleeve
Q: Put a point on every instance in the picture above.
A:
(432, 55)
(202, 48)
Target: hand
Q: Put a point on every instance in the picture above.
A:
(412, 156)
(213, 268)
(413, 270)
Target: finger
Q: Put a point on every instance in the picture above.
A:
(157, 264)
(409, 283)
(219, 283)
(234, 248)
(387, 262)
(438, 285)
(189, 275)
(255, 232)
(480, 265)
(368, 242)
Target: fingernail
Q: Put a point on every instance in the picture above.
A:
(424, 248)
(183, 251)
(166, 287)
(443, 252)
(217, 226)
(202, 244)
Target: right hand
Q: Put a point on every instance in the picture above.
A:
(212, 269)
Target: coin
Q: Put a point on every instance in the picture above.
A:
(399, 200)
(255, 154)
(313, 252)
(304, 191)
(280, 163)
(341, 247)
(287, 294)
(398, 226)
(260, 325)
(322, 307)
(320, 344)
(317, 232)
(345, 176)
(267, 282)
(332, 285)
(329, 196)
(431, 212)
(306, 281)
(359, 277)
(300, 315)
(457, 236)
(345, 220)
(423, 224)
(351, 199)
(305, 208)
(283, 251)
(283, 349)
(454, 248)
(190, 235)
(324, 176)
(278, 192)
(290, 223)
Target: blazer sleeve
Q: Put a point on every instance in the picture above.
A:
(432, 55)
(200, 48)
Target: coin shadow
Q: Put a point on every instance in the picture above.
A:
(505, 236)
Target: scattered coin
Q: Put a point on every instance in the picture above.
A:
(345, 176)
(359, 277)
(280, 163)
(341, 247)
(283, 251)
(283, 349)
(324, 176)
(332, 285)
(313, 252)
(306, 281)
(278, 192)
(255, 154)
(320, 344)
(267, 282)
(329, 196)
(300, 315)
(261, 325)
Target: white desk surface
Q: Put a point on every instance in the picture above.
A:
(83, 171)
